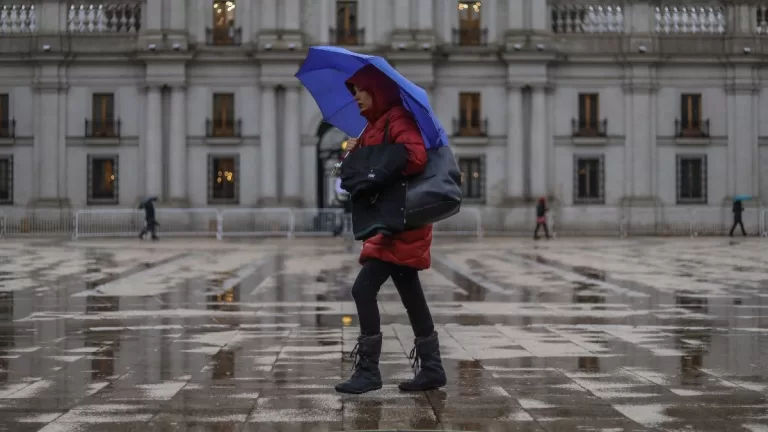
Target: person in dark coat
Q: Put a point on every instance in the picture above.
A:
(738, 209)
(541, 218)
(399, 256)
(149, 215)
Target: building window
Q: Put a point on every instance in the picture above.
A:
(5, 117)
(223, 32)
(223, 115)
(589, 180)
(470, 32)
(472, 177)
(691, 179)
(6, 179)
(103, 119)
(223, 179)
(690, 117)
(102, 179)
(469, 115)
(346, 23)
(589, 116)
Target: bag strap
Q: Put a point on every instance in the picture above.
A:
(386, 132)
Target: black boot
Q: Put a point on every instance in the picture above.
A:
(429, 370)
(366, 366)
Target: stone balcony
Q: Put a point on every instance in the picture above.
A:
(677, 27)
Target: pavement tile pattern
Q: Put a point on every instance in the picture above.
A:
(567, 335)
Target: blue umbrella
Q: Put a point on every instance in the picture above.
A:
(327, 68)
(743, 197)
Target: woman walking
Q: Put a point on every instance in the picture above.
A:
(399, 256)
(541, 218)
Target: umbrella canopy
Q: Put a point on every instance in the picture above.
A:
(147, 200)
(324, 73)
(742, 197)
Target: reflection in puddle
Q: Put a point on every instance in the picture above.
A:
(223, 365)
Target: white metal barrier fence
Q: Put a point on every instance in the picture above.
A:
(287, 222)
(37, 222)
(256, 222)
(174, 222)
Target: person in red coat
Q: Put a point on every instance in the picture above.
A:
(399, 256)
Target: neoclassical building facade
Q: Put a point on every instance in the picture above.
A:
(632, 104)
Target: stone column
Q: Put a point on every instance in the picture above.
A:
(539, 142)
(268, 13)
(539, 11)
(325, 20)
(741, 139)
(515, 155)
(402, 15)
(516, 14)
(629, 127)
(424, 14)
(46, 143)
(369, 11)
(203, 14)
(152, 21)
(291, 15)
(268, 146)
(489, 17)
(178, 12)
(449, 13)
(178, 145)
(244, 21)
(154, 149)
(641, 142)
(292, 146)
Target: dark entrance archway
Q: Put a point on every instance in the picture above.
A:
(329, 152)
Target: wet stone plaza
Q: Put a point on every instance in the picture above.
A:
(603, 335)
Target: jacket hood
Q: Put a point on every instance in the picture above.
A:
(384, 92)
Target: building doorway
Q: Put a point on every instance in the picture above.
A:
(331, 143)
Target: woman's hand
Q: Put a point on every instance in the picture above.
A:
(351, 144)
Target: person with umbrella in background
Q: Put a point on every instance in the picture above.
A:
(738, 209)
(541, 218)
(149, 215)
(401, 255)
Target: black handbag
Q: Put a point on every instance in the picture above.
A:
(435, 194)
(410, 203)
(372, 168)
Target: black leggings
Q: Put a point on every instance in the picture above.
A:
(738, 222)
(540, 225)
(366, 288)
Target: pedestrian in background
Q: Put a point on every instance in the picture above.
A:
(541, 218)
(149, 217)
(738, 209)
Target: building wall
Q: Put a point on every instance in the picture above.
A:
(639, 96)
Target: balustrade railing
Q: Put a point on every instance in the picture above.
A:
(690, 19)
(587, 18)
(104, 18)
(17, 18)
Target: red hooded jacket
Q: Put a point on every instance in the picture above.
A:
(409, 248)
